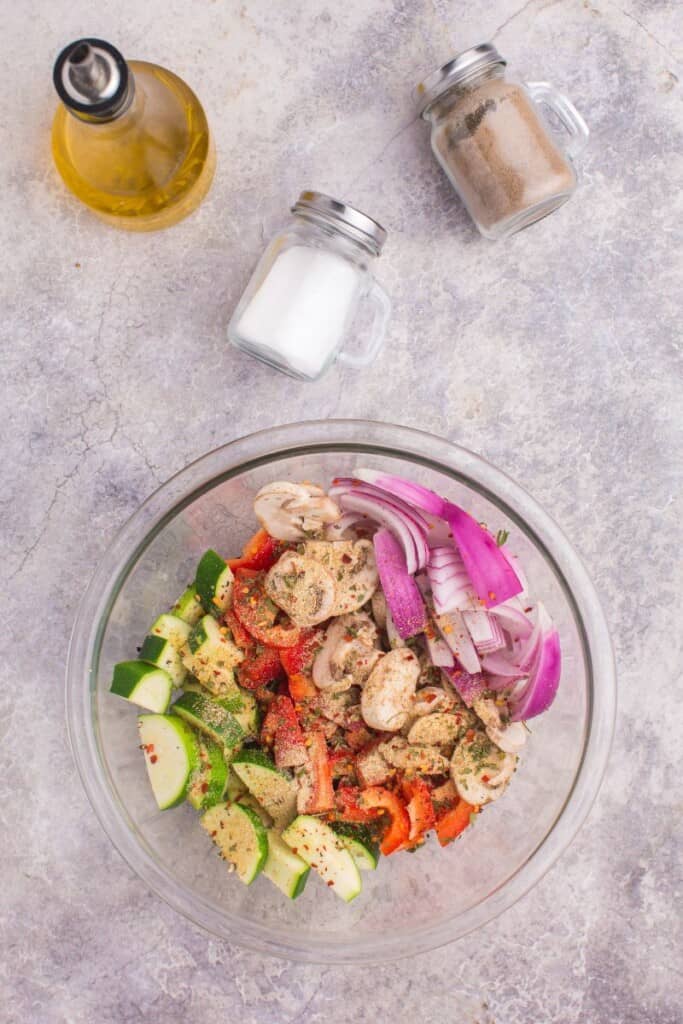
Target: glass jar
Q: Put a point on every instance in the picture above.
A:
(510, 164)
(298, 310)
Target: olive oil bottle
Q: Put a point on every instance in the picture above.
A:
(130, 139)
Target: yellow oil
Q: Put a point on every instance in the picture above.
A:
(149, 167)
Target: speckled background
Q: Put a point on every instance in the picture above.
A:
(555, 355)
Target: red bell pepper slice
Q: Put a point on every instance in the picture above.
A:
(257, 613)
(302, 687)
(453, 820)
(242, 638)
(347, 801)
(320, 795)
(281, 730)
(342, 762)
(298, 660)
(417, 796)
(398, 829)
(261, 666)
(260, 552)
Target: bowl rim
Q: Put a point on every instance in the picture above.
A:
(285, 441)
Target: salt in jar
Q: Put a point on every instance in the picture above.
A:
(299, 307)
(510, 164)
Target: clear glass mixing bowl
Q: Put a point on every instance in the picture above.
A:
(411, 903)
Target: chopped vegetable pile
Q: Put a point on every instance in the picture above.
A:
(357, 679)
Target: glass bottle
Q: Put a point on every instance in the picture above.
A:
(510, 164)
(130, 139)
(298, 310)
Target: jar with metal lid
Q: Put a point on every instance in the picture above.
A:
(507, 148)
(299, 307)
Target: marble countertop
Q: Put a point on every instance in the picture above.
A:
(555, 355)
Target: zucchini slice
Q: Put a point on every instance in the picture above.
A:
(171, 755)
(275, 791)
(315, 842)
(213, 582)
(146, 685)
(240, 837)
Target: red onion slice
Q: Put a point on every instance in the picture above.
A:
(454, 631)
(400, 589)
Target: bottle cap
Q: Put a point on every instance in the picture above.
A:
(93, 80)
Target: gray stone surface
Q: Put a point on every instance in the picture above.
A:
(556, 356)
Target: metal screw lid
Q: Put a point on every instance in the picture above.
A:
(93, 80)
(345, 218)
(455, 71)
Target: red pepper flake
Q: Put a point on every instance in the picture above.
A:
(154, 759)
(205, 787)
(492, 595)
(150, 748)
(346, 559)
(485, 778)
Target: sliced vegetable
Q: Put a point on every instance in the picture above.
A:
(538, 693)
(350, 809)
(360, 843)
(451, 821)
(281, 731)
(492, 575)
(274, 790)
(162, 653)
(484, 630)
(315, 777)
(440, 653)
(468, 686)
(400, 589)
(208, 782)
(171, 756)
(214, 581)
(188, 607)
(284, 868)
(240, 836)
(397, 830)
(260, 552)
(420, 810)
(210, 716)
(315, 842)
(145, 685)
(299, 659)
(258, 614)
(241, 636)
(450, 584)
(454, 631)
(302, 687)
(260, 667)
(172, 628)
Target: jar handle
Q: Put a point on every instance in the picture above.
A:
(575, 134)
(382, 304)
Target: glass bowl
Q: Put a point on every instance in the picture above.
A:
(412, 903)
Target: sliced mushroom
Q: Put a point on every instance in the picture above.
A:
(480, 769)
(388, 693)
(431, 699)
(509, 736)
(302, 588)
(415, 757)
(352, 564)
(439, 730)
(340, 706)
(379, 609)
(372, 768)
(291, 511)
(348, 654)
